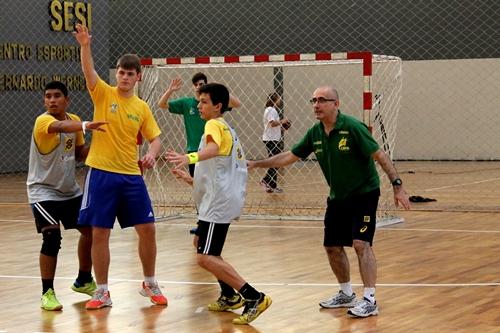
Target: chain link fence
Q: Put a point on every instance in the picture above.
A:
(451, 68)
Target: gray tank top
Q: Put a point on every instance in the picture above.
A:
(52, 176)
(220, 184)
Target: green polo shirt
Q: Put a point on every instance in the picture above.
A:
(194, 125)
(344, 156)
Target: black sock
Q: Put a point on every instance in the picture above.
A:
(249, 293)
(47, 284)
(226, 289)
(84, 277)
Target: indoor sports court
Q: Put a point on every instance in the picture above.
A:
(423, 77)
(436, 270)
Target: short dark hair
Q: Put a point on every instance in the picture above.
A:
(129, 61)
(56, 85)
(272, 99)
(199, 76)
(218, 94)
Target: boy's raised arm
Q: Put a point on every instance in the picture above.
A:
(84, 39)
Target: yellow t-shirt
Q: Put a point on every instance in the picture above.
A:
(47, 142)
(221, 135)
(115, 150)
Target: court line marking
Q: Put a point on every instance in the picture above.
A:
(462, 184)
(279, 284)
(18, 221)
(166, 224)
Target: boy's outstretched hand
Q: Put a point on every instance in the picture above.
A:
(179, 160)
(183, 175)
(82, 35)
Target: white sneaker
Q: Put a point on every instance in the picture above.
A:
(364, 308)
(339, 300)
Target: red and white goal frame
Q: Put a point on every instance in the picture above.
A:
(366, 58)
(248, 77)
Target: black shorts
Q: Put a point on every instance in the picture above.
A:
(50, 213)
(351, 218)
(212, 237)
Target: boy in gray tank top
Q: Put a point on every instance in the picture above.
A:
(53, 192)
(219, 189)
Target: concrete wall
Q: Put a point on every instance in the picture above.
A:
(450, 110)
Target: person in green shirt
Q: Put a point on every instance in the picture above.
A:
(187, 106)
(345, 151)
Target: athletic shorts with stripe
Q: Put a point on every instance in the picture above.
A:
(51, 213)
(212, 237)
(109, 195)
(351, 218)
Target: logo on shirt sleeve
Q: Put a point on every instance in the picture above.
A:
(317, 147)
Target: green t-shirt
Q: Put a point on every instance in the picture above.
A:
(344, 156)
(194, 125)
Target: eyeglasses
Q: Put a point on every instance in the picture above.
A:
(320, 100)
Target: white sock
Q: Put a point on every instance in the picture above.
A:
(369, 293)
(346, 288)
(150, 280)
(103, 286)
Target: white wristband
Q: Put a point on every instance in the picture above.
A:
(84, 126)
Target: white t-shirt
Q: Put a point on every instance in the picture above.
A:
(271, 133)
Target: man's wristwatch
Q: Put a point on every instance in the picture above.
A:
(397, 182)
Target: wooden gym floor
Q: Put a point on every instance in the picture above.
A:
(437, 272)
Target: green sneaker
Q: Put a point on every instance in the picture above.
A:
(50, 302)
(88, 288)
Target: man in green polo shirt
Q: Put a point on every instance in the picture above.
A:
(345, 151)
(187, 106)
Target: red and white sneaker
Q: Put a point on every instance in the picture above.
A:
(99, 300)
(154, 293)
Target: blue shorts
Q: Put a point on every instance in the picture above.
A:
(109, 195)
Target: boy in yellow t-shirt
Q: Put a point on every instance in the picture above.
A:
(219, 189)
(114, 186)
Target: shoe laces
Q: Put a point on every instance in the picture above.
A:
(363, 303)
(155, 290)
(50, 296)
(222, 300)
(251, 308)
(50, 292)
(100, 295)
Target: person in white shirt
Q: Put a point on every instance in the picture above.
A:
(273, 139)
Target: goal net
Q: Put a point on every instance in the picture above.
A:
(369, 87)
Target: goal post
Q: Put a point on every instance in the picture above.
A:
(369, 88)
